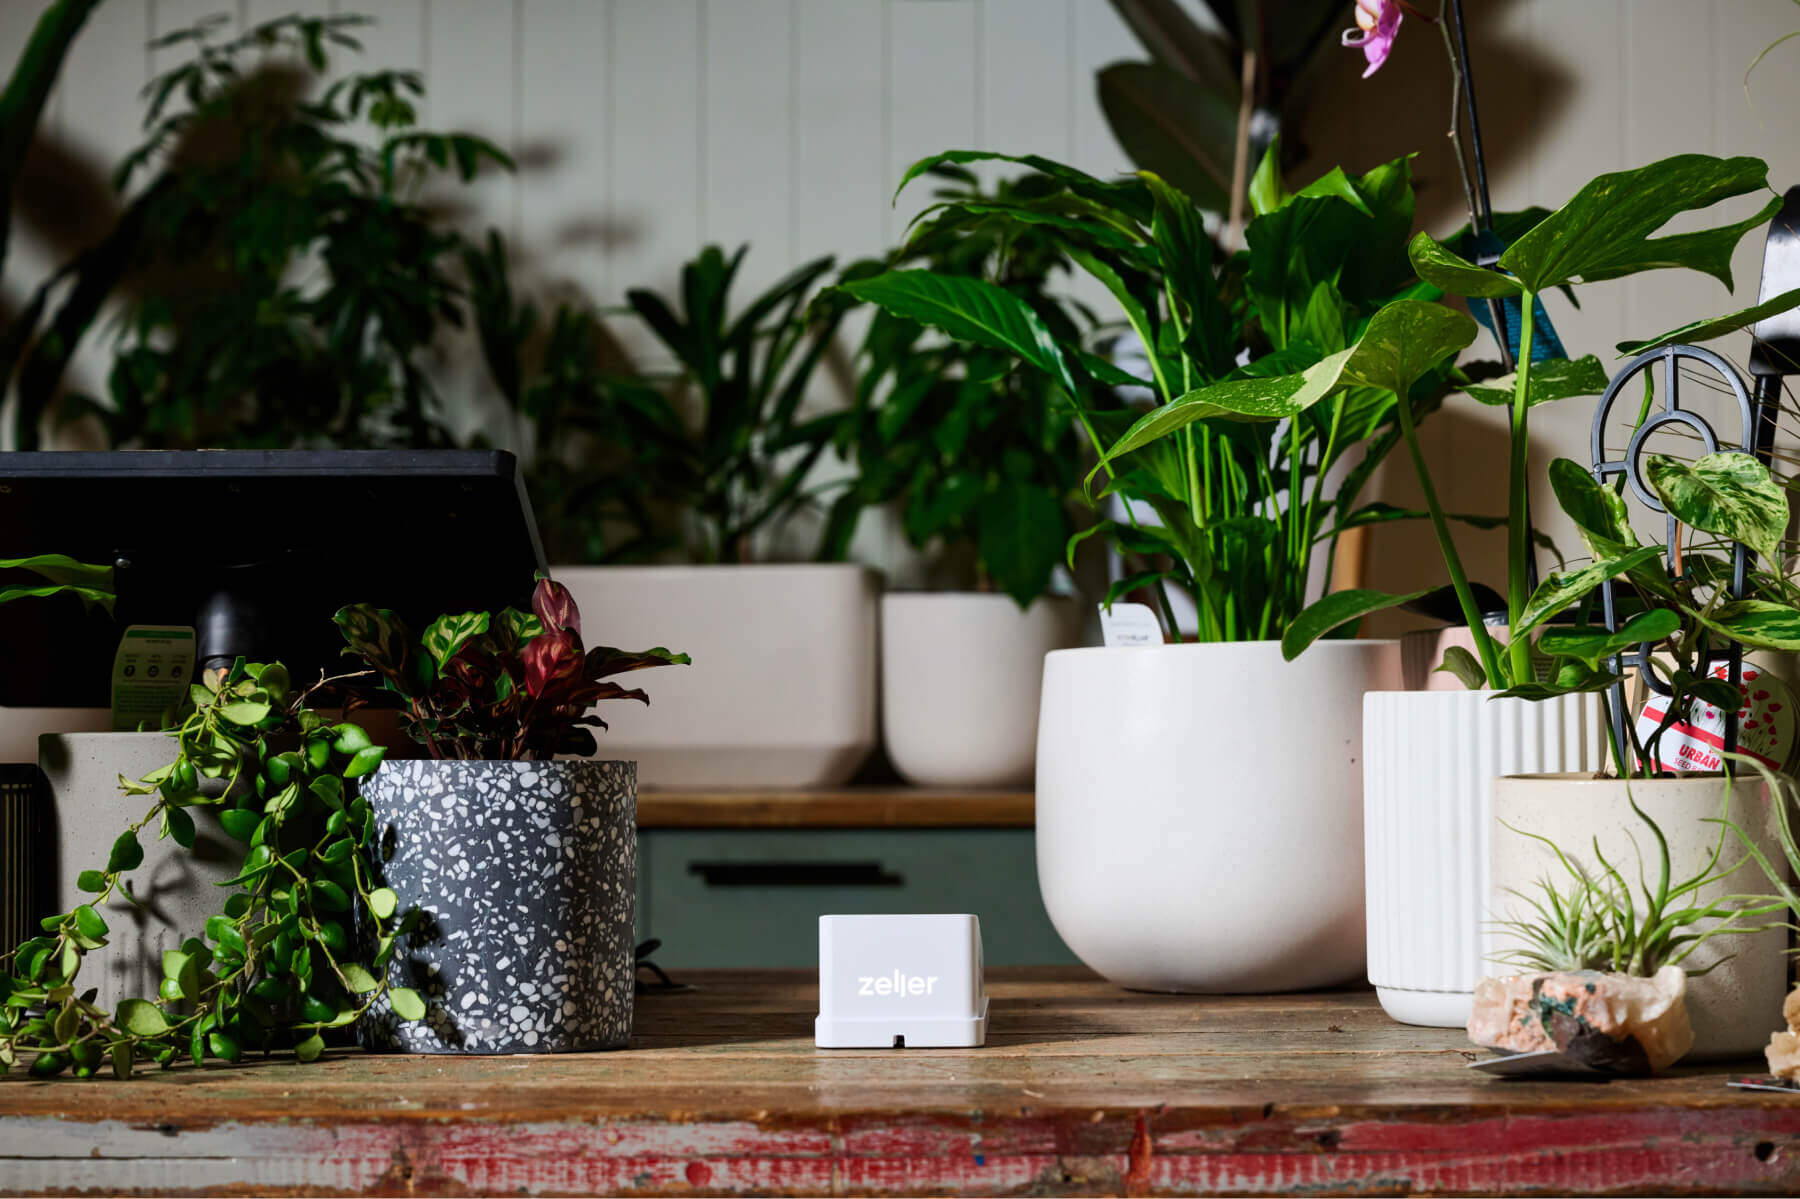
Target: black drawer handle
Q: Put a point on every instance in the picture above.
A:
(795, 874)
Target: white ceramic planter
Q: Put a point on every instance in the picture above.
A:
(1429, 759)
(1734, 1006)
(1199, 811)
(781, 692)
(960, 678)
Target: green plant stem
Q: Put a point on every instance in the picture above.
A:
(1517, 535)
(1484, 645)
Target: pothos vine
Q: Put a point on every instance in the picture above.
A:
(304, 938)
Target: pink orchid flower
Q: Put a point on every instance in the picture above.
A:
(1377, 23)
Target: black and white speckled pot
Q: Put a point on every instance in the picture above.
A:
(526, 874)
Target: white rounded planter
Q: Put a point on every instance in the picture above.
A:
(1199, 811)
(781, 692)
(960, 678)
(1429, 760)
(1735, 1005)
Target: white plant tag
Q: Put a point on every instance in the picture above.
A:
(1129, 624)
(151, 672)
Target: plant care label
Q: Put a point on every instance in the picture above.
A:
(1129, 624)
(150, 675)
(1766, 726)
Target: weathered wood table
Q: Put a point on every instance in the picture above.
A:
(1081, 1089)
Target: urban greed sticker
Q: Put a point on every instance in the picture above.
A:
(1766, 726)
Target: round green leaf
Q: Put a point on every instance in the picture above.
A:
(407, 1004)
(309, 1049)
(92, 881)
(89, 922)
(141, 1017)
(366, 759)
(127, 854)
(181, 826)
(356, 979)
(382, 902)
(240, 823)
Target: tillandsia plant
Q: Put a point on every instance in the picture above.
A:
(509, 685)
(59, 574)
(1259, 405)
(1605, 232)
(984, 461)
(1600, 923)
(240, 178)
(279, 965)
(745, 467)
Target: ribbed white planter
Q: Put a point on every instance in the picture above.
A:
(960, 677)
(1734, 1005)
(1199, 811)
(1429, 759)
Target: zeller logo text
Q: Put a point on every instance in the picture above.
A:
(896, 984)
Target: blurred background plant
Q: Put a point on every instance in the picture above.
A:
(983, 460)
(281, 280)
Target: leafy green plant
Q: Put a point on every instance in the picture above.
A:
(747, 372)
(1604, 232)
(280, 964)
(1599, 923)
(223, 341)
(983, 460)
(1268, 368)
(607, 459)
(508, 685)
(91, 583)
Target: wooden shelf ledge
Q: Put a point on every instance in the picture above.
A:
(853, 807)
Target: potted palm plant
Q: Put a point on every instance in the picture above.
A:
(720, 457)
(1280, 378)
(523, 868)
(1427, 839)
(980, 464)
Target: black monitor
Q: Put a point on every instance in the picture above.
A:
(254, 548)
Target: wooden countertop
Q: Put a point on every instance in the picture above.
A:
(849, 807)
(1082, 1088)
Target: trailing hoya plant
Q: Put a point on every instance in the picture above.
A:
(1248, 367)
(1605, 232)
(509, 685)
(279, 965)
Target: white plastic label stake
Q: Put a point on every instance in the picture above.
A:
(151, 673)
(1129, 624)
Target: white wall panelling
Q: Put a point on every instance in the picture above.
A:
(647, 128)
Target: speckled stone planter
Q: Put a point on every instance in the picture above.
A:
(526, 873)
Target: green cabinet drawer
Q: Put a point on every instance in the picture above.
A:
(752, 897)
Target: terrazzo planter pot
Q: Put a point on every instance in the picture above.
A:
(1199, 811)
(782, 690)
(526, 876)
(960, 677)
(1734, 1005)
(175, 886)
(1429, 761)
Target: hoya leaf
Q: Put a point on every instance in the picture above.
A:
(382, 902)
(407, 1004)
(127, 854)
(310, 1049)
(142, 1018)
(356, 979)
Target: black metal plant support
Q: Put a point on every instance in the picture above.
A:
(1489, 249)
(1628, 468)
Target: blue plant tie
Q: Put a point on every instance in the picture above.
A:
(1544, 341)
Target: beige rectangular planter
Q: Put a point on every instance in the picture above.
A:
(782, 689)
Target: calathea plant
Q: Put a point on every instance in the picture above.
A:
(278, 966)
(491, 687)
(1604, 232)
(983, 460)
(1256, 396)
